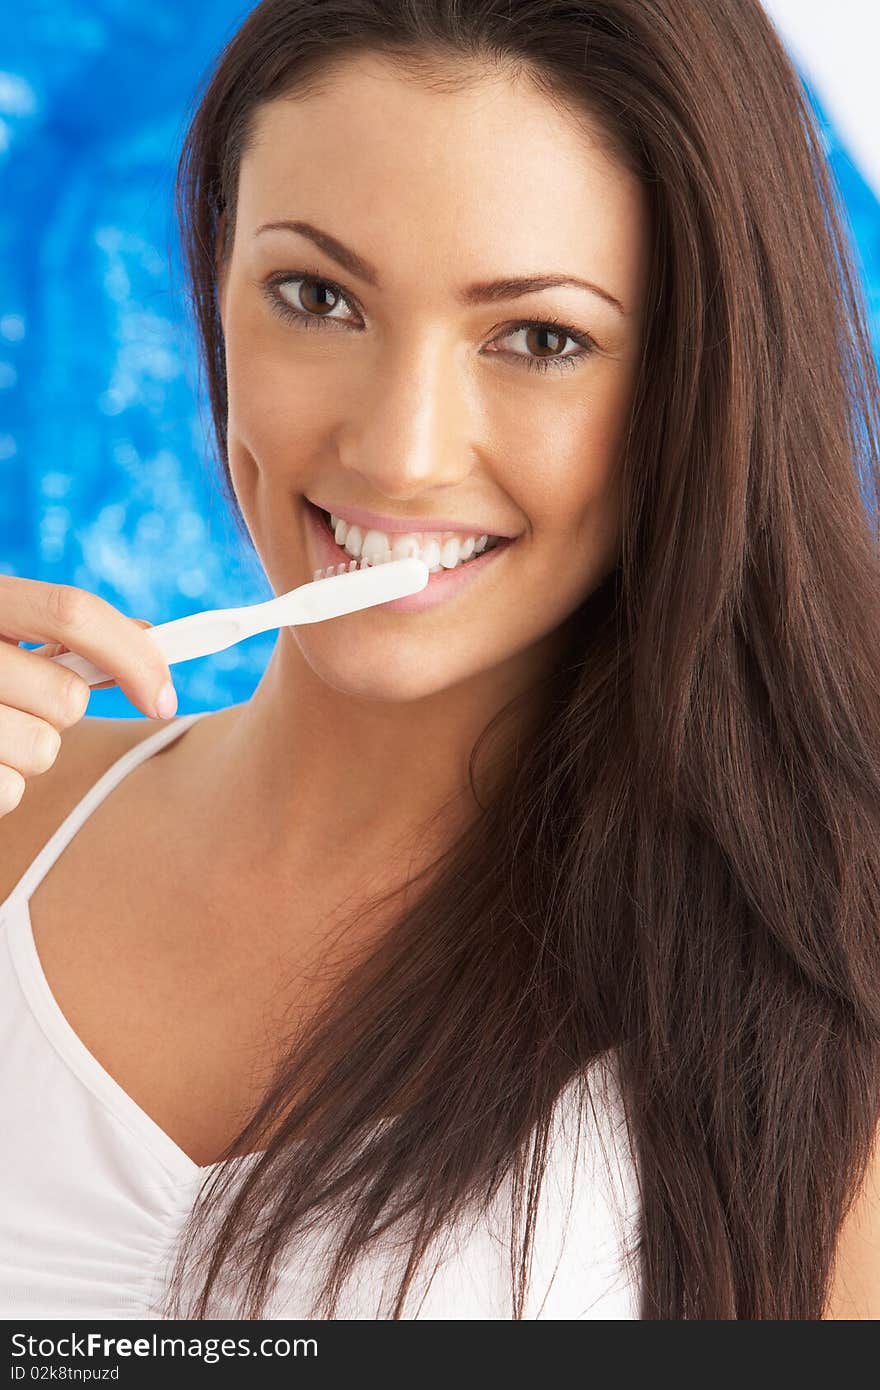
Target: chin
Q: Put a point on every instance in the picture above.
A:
(367, 673)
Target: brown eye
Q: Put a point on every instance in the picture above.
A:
(544, 340)
(536, 340)
(317, 296)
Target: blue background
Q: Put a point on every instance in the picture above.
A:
(106, 475)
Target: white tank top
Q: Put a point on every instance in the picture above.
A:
(93, 1193)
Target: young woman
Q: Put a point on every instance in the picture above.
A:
(513, 955)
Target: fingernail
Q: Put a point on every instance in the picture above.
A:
(166, 705)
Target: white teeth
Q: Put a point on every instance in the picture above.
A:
(439, 550)
(450, 554)
(430, 553)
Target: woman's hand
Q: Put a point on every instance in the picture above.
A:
(40, 699)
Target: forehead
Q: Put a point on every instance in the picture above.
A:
(384, 161)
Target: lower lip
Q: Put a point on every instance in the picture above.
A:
(442, 584)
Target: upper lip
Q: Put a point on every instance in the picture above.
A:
(375, 521)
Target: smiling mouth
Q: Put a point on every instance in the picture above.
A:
(492, 544)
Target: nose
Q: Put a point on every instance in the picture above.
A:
(409, 432)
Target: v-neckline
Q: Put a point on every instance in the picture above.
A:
(36, 988)
(83, 1063)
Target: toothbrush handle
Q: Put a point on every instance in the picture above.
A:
(91, 674)
(200, 634)
(183, 639)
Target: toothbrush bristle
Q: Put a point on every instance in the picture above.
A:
(364, 562)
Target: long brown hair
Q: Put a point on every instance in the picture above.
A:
(680, 868)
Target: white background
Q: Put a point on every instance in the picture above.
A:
(836, 45)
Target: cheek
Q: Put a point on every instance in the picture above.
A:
(567, 467)
(271, 406)
(281, 402)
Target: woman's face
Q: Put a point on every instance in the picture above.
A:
(395, 392)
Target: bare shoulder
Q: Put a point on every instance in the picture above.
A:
(87, 750)
(854, 1292)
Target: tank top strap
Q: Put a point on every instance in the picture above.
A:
(61, 838)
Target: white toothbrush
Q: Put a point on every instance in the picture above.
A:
(337, 590)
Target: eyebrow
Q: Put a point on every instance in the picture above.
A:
(484, 292)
